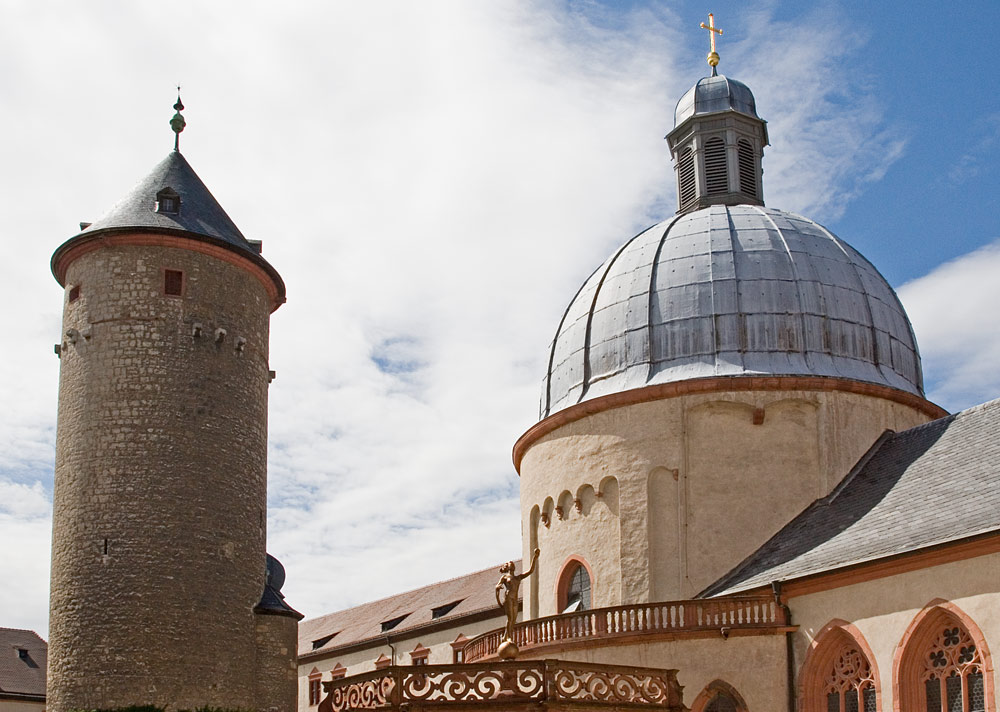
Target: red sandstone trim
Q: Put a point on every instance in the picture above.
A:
(711, 690)
(562, 581)
(918, 637)
(891, 566)
(828, 643)
(715, 385)
(86, 244)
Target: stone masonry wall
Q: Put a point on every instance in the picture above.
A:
(277, 671)
(160, 483)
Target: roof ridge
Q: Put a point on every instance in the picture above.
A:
(862, 462)
(403, 593)
(21, 630)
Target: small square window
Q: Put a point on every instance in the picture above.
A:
(167, 201)
(173, 282)
(74, 292)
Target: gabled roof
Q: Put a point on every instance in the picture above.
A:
(475, 593)
(22, 674)
(926, 486)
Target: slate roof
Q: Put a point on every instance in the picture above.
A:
(930, 485)
(475, 593)
(200, 213)
(22, 675)
(200, 216)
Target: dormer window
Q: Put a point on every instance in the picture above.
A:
(442, 611)
(168, 201)
(390, 624)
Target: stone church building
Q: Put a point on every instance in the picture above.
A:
(735, 480)
(742, 499)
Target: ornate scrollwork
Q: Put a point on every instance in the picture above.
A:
(579, 684)
(472, 685)
(528, 682)
(364, 694)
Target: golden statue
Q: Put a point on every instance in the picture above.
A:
(510, 584)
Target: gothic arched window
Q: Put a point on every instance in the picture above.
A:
(953, 673)
(849, 684)
(716, 171)
(942, 666)
(719, 696)
(839, 674)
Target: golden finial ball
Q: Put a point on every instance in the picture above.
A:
(507, 650)
(713, 59)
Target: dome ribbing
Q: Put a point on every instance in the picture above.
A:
(738, 290)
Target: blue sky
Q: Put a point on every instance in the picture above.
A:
(434, 180)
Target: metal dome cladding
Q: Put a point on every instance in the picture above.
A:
(736, 290)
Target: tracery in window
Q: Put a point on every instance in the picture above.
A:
(850, 684)
(839, 673)
(952, 673)
(943, 663)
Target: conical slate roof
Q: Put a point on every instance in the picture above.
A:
(194, 213)
(199, 212)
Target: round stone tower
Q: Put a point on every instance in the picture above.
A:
(718, 373)
(158, 548)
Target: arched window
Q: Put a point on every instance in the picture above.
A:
(849, 685)
(838, 674)
(748, 171)
(953, 673)
(716, 171)
(685, 177)
(943, 664)
(719, 696)
(574, 587)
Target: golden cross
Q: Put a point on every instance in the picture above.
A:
(713, 57)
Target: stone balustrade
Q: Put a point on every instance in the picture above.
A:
(728, 615)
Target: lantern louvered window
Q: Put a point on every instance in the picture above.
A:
(685, 177)
(748, 175)
(716, 181)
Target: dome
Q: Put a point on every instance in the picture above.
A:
(713, 94)
(736, 290)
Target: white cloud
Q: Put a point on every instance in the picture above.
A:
(953, 311)
(433, 181)
(25, 529)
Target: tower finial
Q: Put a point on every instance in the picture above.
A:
(713, 56)
(177, 123)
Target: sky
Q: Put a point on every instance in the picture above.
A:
(434, 181)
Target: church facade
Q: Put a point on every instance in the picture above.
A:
(736, 477)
